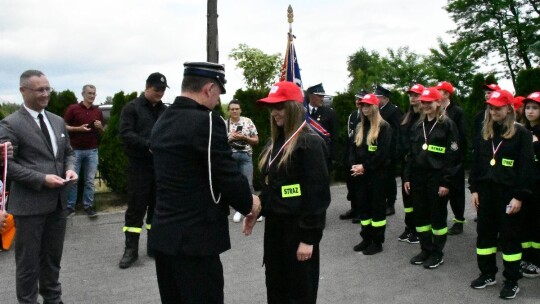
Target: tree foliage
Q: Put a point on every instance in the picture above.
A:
(504, 29)
(112, 160)
(453, 62)
(59, 102)
(260, 70)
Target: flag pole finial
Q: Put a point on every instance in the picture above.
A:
(290, 18)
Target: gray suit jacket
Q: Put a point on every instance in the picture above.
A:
(33, 159)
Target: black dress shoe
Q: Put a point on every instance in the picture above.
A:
(390, 211)
(347, 215)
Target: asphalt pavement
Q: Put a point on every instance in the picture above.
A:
(93, 248)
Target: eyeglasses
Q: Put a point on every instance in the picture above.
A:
(40, 90)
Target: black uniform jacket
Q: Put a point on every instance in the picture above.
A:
(536, 146)
(186, 219)
(442, 153)
(300, 189)
(136, 122)
(392, 114)
(373, 157)
(352, 122)
(403, 145)
(514, 162)
(328, 119)
(455, 113)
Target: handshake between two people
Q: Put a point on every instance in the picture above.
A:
(251, 219)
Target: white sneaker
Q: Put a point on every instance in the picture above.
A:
(260, 219)
(237, 217)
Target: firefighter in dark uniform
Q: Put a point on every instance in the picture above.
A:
(326, 117)
(434, 152)
(391, 114)
(136, 122)
(457, 189)
(531, 224)
(294, 196)
(352, 122)
(480, 116)
(370, 156)
(197, 178)
(403, 147)
(500, 180)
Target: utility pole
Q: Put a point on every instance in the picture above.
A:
(212, 45)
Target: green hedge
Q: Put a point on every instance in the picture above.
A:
(112, 160)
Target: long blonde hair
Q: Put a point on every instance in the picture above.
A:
(294, 117)
(376, 120)
(508, 124)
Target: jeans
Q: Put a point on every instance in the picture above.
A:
(89, 160)
(243, 160)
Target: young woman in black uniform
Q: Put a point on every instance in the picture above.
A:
(431, 168)
(294, 197)
(370, 155)
(531, 229)
(499, 181)
(409, 120)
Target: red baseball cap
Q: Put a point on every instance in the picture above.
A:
(417, 88)
(500, 98)
(370, 99)
(532, 97)
(518, 102)
(430, 95)
(284, 91)
(445, 86)
(492, 87)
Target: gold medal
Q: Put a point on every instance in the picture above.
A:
(424, 147)
(492, 162)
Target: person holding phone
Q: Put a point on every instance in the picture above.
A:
(84, 124)
(500, 180)
(242, 135)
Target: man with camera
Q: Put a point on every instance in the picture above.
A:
(84, 124)
(242, 135)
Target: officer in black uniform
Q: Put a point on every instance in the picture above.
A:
(457, 188)
(392, 114)
(352, 121)
(197, 178)
(325, 116)
(136, 122)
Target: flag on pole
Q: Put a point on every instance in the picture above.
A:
(291, 72)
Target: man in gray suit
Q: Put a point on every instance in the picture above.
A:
(42, 165)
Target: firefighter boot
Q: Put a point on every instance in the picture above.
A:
(131, 253)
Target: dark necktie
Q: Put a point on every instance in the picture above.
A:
(44, 129)
(313, 110)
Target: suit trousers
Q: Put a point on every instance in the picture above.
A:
(186, 279)
(38, 251)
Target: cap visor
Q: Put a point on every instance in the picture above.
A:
(496, 103)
